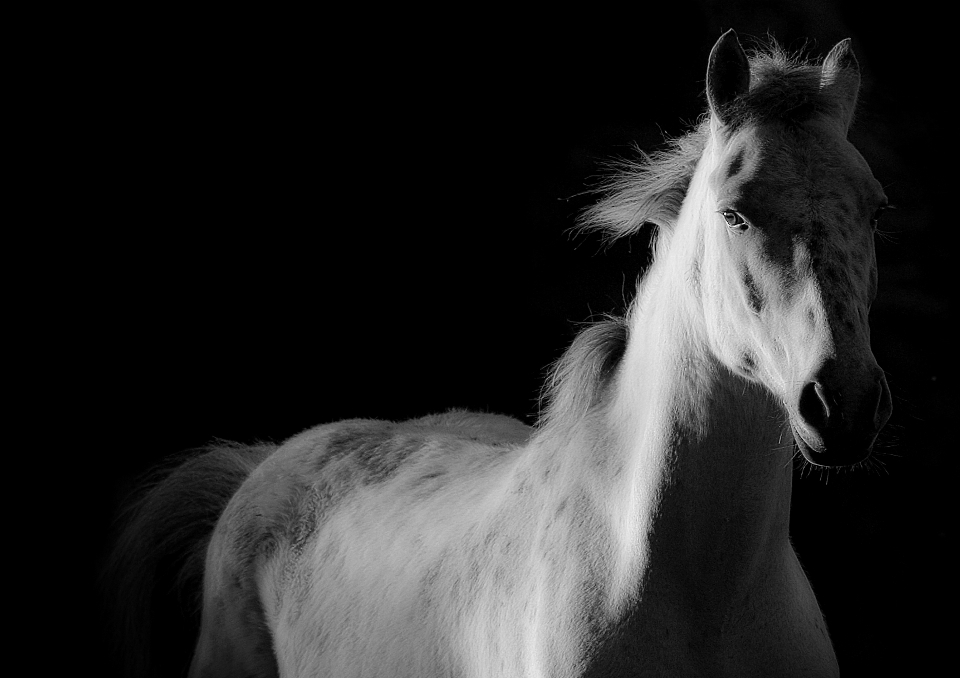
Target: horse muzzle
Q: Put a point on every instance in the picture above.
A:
(837, 420)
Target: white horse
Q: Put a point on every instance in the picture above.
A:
(641, 528)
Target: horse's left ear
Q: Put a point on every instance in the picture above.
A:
(728, 74)
(841, 74)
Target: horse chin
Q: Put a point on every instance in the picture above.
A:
(820, 452)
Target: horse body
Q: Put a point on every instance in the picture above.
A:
(642, 527)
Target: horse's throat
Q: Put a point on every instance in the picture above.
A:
(722, 494)
(713, 465)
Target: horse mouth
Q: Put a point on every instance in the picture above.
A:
(822, 449)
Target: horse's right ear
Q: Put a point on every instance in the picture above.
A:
(728, 74)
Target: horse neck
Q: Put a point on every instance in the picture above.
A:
(708, 453)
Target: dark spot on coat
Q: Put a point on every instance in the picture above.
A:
(382, 460)
(358, 440)
(427, 477)
(736, 164)
(306, 520)
(754, 298)
(375, 448)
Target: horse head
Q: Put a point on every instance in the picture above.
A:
(788, 270)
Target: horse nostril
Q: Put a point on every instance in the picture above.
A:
(814, 406)
(884, 404)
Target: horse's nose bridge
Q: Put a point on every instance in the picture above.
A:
(839, 348)
(847, 320)
(839, 263)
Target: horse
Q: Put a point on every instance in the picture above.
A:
(641, 526)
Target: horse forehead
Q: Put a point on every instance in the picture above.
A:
(796, 177)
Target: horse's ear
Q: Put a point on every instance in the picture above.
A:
(728, 74)
(840, 75)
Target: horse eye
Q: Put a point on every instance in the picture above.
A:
(734, 220)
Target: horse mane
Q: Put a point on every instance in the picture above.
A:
(577, 379)
(784, 87)
(650, 189)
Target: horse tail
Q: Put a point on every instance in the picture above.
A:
(153, 579)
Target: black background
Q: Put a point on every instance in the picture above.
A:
(296, 218)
